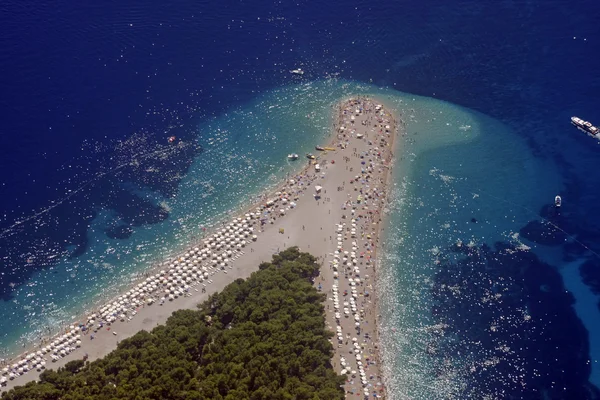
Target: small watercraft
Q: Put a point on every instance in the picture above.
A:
(292, 156)
(557, 201)
(297, 71)
(171, 139)
(586, 127)
(310, 156)
(319, 148)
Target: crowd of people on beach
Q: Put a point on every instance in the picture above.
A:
(356, 237)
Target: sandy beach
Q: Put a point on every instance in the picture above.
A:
(332, 208)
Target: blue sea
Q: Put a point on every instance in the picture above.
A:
(486, 290)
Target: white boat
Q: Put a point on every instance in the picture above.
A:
(292, 156)
(557, 201)
(297, 71)
(586, 127)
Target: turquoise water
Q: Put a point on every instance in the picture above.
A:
(465, 179)
(460, 177)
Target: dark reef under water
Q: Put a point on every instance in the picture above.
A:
(60, 231)
(510, 315)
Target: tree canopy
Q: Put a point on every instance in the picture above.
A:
(263, 338)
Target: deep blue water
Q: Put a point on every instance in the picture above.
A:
(87, 88)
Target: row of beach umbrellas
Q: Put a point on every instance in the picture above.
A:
(348, 260)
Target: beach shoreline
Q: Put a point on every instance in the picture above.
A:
(282, 230)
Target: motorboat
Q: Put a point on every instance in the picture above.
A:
(557, 201)
(297, 71)
(292, 156)
(319, 148)
(586, 127)
(172, 139)
(310, 156)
